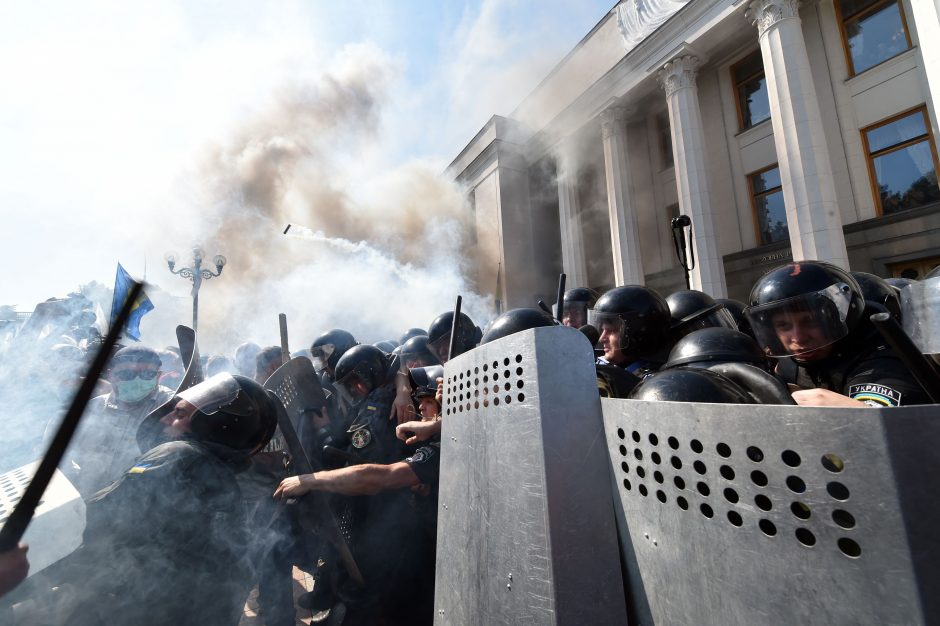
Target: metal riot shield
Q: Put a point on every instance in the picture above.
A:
(733, 514)
(298, 388)
(189, 354)
(57, 527)
(526, 530)
(920, 314)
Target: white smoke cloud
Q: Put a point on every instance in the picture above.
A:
(385, 252)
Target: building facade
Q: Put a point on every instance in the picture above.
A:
(783, 129)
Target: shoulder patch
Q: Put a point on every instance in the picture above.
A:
(371, 407)
(420, 456)
(875, 395)
(361, 437)
(140, 468)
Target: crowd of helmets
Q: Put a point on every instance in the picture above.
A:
(691, 347)
(686, 346)
(802, 317)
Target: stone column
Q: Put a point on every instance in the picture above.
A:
(688, 147)
(624, 230)
(802, 154)
(573, 260)
(926, 18)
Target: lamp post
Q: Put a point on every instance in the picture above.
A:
(196, 274)
(685, 255)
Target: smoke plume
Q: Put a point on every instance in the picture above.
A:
(384, 250)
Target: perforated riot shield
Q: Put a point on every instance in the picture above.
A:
(298, 388)
(526, 530)
(57, 527)
(734, 514)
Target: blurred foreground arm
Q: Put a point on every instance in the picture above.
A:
(14, 566)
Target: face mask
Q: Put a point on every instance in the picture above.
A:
(134, 390)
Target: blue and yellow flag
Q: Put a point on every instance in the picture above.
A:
(143, 305)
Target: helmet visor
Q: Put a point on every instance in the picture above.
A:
(353, 387)
(574, 315)
(321, 355)
(803, 324)
(920, 314)
(720, 317)
(213, 394)
(611, 330)
(441, 347)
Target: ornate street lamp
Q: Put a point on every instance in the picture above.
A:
(196, 274)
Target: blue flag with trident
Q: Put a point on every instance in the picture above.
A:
(142, 306)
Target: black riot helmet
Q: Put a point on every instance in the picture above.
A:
(230, 413)
(638, 314)
(875, 289)
(736, 308)
(693, 310)
(424, 380)
(416, 353)
(411, 332)
(514, 321)
(387, 346)
(577, 303)
(716, 345)
(803, 306)
(329, 347)
(690, 385)
(360, 370)
(468, 335)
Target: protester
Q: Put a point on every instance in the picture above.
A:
(105, 443)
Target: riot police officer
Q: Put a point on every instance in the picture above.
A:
(514, 321)
(577, 303)
(416, 353)
(877, 291)
(167, 543)
(634, 324)
(384, 530)
(693, 310)
(811, 316)
(329, 347)
(468, 335)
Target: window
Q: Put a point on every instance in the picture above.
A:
(750, 91)
(902, 162)
(767, 200)
(665, 139)
(872, 31)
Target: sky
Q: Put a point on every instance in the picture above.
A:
(123, 124)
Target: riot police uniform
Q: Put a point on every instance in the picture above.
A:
(382, 530)
(168, 542)
(863, 368)
(812, 317)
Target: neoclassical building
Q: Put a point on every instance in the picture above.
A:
(783, 129)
